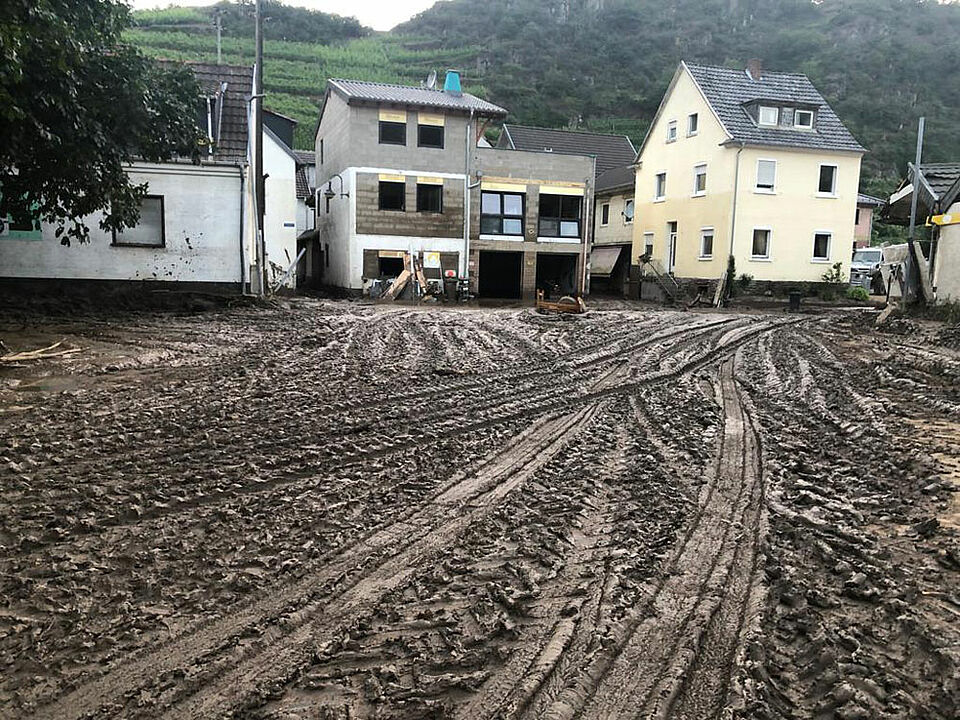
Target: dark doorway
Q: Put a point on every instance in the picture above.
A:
(311, 265)
(390, 267)
(556, 274)
(500, 274)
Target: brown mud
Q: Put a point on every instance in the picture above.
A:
(335, 510)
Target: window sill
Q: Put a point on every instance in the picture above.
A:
(138, 245)
(754, 258)
(393, 210)
(511, 238)
(604, 224)
(820, 261)
(699, 194)
(431, 147)
(659, 199)
(705, 258)
(669, 141)
(693, 134)
(830, 196)
(760, 191)
(571, 240)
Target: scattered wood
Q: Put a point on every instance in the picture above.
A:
(398, 285)
(41, 354)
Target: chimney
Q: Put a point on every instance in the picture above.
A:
(755, 68)
(451, 83)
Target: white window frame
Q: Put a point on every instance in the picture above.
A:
(796, 119)
(761, 121)
(696, 175)
(693, 118)
(814, 258)
(704, 231)
(648, 242)
(833, 192)
(756, 183)
(761, 258)
(602, 206)
(656, 186)
(626, 202)
(672, 132)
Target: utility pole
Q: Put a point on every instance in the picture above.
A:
(258, 155)
(911, 243)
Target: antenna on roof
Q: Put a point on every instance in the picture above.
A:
(432, 80)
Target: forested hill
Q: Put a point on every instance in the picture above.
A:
(604, 64)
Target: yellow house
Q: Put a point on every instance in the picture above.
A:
(751, 164)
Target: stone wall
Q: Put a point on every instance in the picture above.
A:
(373, 221)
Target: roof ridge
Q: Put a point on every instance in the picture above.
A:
(743, 70)
(582, 132)
(394, 85)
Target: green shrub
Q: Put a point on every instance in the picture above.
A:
(858, 293)
(834, 275)
(744, 281)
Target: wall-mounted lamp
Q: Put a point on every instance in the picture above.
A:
(329, 194)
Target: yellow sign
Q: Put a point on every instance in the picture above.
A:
(431, 259)
(429, 119)
(947, 219)
(393, 116)
(503, 187)
(560, 190)
(386, 177)
(429, 180)
(392, 254)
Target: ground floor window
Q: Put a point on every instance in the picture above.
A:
(501, 213)
(761, 244)
(429, 198)
(560, 216)
(821, 246)
(706, 243)
(648, 244)
(149, 232)
(393, 195)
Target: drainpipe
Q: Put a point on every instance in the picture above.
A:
(718, 299)
(587, 235)
(466, 198)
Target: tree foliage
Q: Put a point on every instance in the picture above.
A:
(76, 105)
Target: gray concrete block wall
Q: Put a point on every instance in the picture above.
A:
(373, 221)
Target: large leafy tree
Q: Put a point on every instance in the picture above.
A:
(77, 104)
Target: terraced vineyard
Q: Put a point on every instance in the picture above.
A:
(340, 510)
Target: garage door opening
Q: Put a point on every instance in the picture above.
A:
(556, 274)
(500, 274)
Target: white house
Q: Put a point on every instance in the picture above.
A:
(197, 227)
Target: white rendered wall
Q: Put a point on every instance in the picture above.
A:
(201, 228)
(280, 209)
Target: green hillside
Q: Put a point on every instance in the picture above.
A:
(604, 64)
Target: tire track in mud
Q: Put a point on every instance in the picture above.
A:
(225, 668)
(673, 658)
(407, 544)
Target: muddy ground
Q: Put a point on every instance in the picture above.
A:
(336, 510)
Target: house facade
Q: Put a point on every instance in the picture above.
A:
(938, 205)
(405, 179)
(197, 225)
(749, 164)
(610, 256)
(867, 205)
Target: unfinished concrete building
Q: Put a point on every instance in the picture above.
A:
(405, 179)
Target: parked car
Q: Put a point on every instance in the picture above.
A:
(865, 270)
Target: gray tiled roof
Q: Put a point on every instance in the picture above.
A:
(413, 96)
(940, 176)
(727, 91)
(616, 179)
(306, 157)
(233, 129)
(303, 186)
(864, 199)
(611, 151)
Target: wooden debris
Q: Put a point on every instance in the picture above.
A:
(41, 354)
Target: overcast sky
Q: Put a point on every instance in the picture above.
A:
(378, 14)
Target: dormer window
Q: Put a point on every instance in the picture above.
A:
(769, 115)
(803, 119)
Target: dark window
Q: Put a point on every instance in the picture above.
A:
(560, 216)
(393, 133)
(821, 246)
(321, 151)
(430, 136)
(828, 179)
(393, 196)
(430, 198)
(761, 243)
(857, 217)
(605, 214)
(501, 213)
(149, 231)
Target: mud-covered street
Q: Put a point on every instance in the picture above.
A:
(339, 510)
